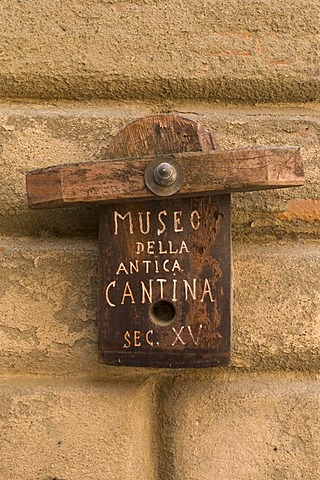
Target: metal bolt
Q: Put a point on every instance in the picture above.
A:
(165, 174)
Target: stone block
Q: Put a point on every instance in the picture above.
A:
(34, 137)
(242, 52)
(48, 307)
(69, 429)
(48, 295)
(243, 427)
(276, 315)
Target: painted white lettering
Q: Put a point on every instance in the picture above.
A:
(147, 228)
(195, 219)
(111, 284)
(161, 281)
(145, 292)
(126, 336)
(176, 266)
(160, 214)
(184, 247)
(139, 248)
(170, 248)
(153, 248)
(177, 221)
(134, 267)
(150, 342)
(157, 266)
(150, 247)
(122, 268)
(147, 264)
(164, 266)
(136, 338)
(161, 251)
(117, 215)
(127, 292)
(192, 291)
(196, 342)
(174, 294)
(178, 336)
(206, 291)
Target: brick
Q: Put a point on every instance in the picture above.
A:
(58, 429)
(40, 135)
(243, 52)
(48, 297)
(246, 427)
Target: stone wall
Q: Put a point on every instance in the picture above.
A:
(72, 74)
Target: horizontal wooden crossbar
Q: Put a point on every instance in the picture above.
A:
(212, 172)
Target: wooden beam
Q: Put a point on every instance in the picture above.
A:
(216, 171)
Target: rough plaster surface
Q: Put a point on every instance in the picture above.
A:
(150, 49)
(58, 430)
(96, 422)
(35, 136)
(244, 427)
(276, 315)
(48, 307)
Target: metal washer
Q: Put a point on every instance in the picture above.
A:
(153, 186)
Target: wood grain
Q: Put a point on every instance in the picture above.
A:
(123, 328)
(174, 251)
(210, 172)
(138, 270)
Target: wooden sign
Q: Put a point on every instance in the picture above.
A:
(164, 235)
(165, 282)
(164, 292)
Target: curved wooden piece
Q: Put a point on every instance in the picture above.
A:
(159, 135)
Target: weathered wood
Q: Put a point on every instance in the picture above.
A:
(165, 265)
(199, 333)
(160, 134)
(205, 173)
(174, 256)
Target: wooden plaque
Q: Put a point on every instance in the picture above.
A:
(165, 283)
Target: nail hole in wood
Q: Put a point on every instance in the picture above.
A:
(162, 313)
